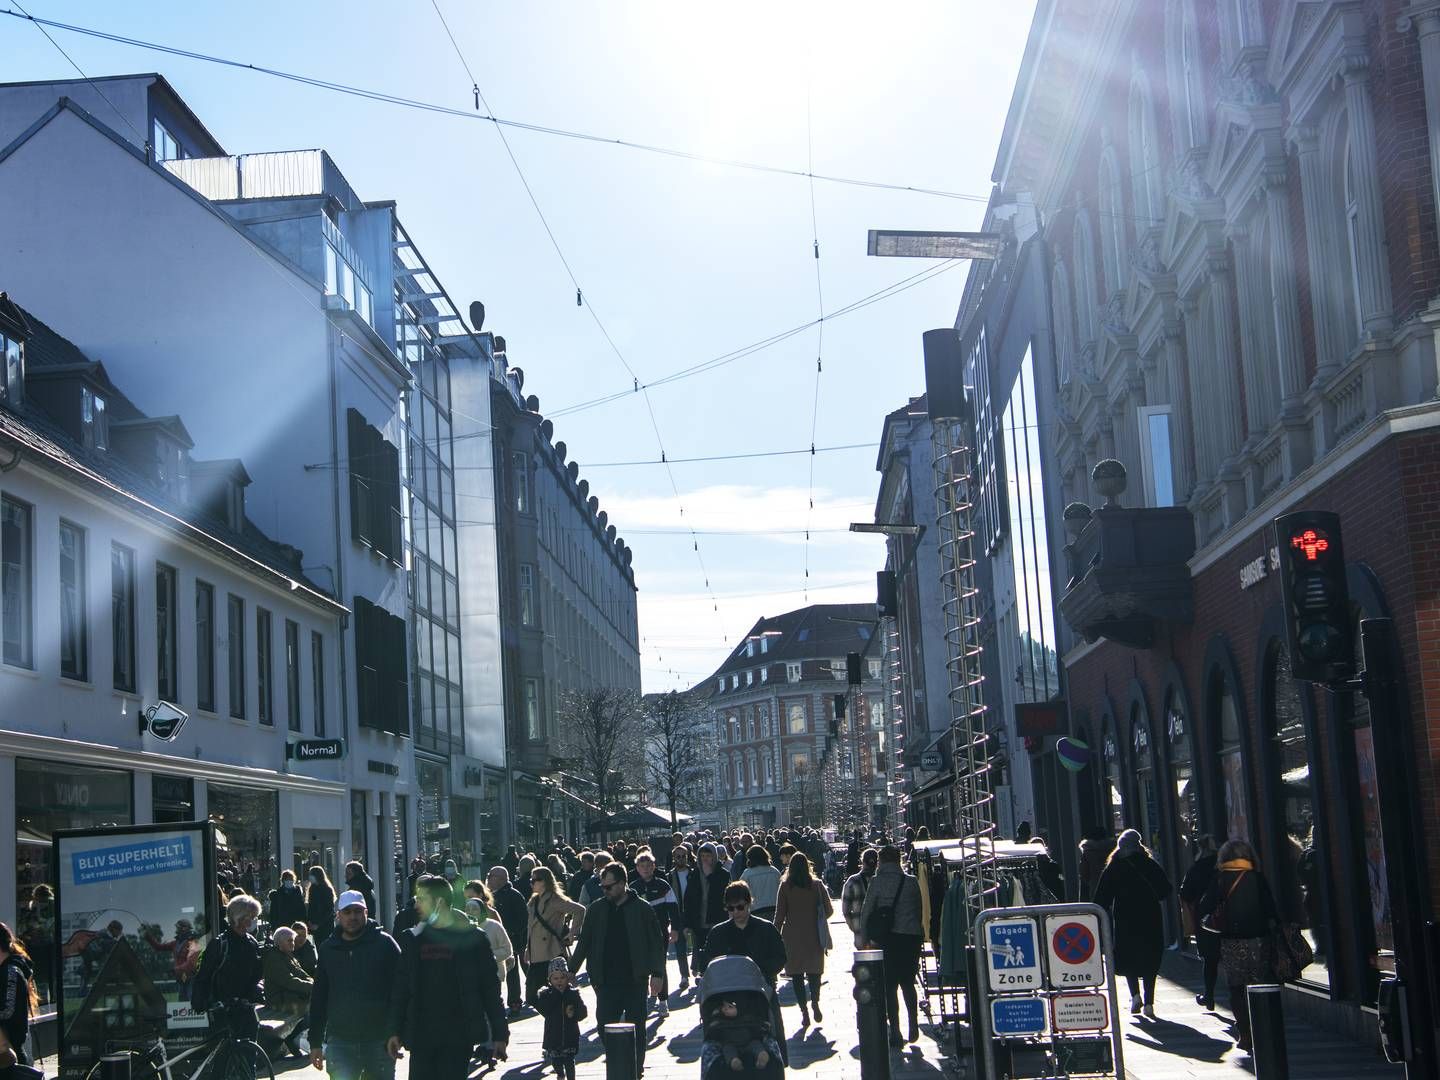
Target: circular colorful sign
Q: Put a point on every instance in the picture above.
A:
(1073, 943)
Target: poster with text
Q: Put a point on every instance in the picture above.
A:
(134, 909)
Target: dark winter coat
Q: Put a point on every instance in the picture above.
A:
(514, 915)
(231, 970)
(1198, 879)
(287, 906)
(365, 886)
(714, 900)
(320, 910)
(286, 984)
(308, 956)
(1131, 889)
(477, 1013)
(15, 981)
(562, 1033)
(1247, 912)
(351, 996)
(759, 940)
(642, 931)
(657, 893)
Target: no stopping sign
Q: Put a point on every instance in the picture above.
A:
(1075, 957)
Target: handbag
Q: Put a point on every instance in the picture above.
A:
(1292, 953)
(822, 927)
(1215, 921)
(881, 923)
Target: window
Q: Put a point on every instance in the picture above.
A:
(163, 144)
(874, 668)
(265, 666)
(765, 643)
(532, 710)
(374, 464)
(796, 723)
(1087, 297)
(1112, 223)
(17, 588)
(1148, 181)
(988, 497)
(292, 674)
(94, 423)
(750, 647)
(235, 652)
(764, 674)
(769, 772)
(735, 681)
(73, 636)
(1155, 455)
(317, 679)
(1063, 315)
(749, 678)
(1353, 239)
(12, 386)
(382, 674)
(721, 688)
(167, 618)
(204, 646)
(792, 672)
(122, 615)
(520, 476)
(877, 715)
(527, 595)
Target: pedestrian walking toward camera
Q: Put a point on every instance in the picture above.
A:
(1131, 888)
(553, 921)
(18, 999)
(349, 1003)
(620, 939)
(446, 997)
(563, 1009)
(655, 890)
(890, 921)
(357, 880)
(802, 915)
(1241, 906)
(230, 977)
(319, 904)
(515, 917)
(287, 902)
(704, 902)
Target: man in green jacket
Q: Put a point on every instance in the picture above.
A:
(621, 940)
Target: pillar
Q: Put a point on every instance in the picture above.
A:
(1226, 400)
(1319, 245)
(1289, 354)
(1424, 19)
(1254, 333)
(1374, 271)
(8, 898)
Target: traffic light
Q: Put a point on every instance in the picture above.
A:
(886, 598)
(852, 669)
(838, 715)
(1318, 625)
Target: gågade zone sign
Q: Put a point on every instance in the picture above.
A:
(1013, 946)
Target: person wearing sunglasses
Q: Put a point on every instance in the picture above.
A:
(743, 934)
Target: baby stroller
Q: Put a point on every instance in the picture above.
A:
(739, 1016)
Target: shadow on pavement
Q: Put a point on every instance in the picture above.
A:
(1170, 1037)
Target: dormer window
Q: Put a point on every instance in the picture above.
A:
(173, 468)
(12, 387)
(94, 423)
(163, 144)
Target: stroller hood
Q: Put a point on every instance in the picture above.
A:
(732, 975)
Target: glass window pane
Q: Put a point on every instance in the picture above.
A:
(122, 616)
(1158, 433)
(73, 631)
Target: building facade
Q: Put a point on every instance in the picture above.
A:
(799, 745)
(134, 575)
(1239, 202)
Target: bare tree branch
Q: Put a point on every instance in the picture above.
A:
(678, 749)
(602, 728)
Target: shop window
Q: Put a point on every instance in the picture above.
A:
(1299, 888)
(1146, 784)
(246, 835)
(532, 710)
(1182, 773)
(1114, 781)
(359, 842)
(796, 723)
(51, 796)
(172, 799)
(292, 674)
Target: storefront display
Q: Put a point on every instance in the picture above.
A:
(246, 836)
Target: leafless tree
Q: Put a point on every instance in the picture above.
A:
(600, 728)
(679, 749)
(804, 791)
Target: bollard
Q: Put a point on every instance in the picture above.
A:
(1267, 1033)
(115, 1067)
(870, 1020)
(620, 1061)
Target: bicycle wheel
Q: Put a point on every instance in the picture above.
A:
(242, 1060)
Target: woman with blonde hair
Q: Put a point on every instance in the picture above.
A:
(18, 999)
(1131, 888)
(553, 926)
(1241, 907)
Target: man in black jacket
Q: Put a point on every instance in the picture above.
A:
(287, 903)
(446, 997)
(349, 1003)
(515, 917)
(230, 977)
(745, 936)
(703, 904)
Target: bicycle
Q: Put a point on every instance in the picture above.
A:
(227, 1056)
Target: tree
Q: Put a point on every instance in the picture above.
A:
(600, 728)
(803, 791)
(679, 754)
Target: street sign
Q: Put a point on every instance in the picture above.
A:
(163, 720)
(1017, 1016)
(932, 760)
(316, 750)
(1014, 949)
(1074, 945)
(1085, 1011)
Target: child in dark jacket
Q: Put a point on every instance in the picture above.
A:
(561, 1005)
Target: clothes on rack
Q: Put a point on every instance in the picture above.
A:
(922, 874)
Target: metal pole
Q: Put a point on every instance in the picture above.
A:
(115, 1067)
(870, 1020)
(620, 1061)
(1267, 1033)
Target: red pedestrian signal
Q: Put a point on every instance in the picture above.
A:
(1311, 542)
(1318, 620)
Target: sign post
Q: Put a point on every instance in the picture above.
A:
(1049, 992)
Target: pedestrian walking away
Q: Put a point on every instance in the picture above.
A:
(620, 939)
(852, 894)
(552, 922)
(563, 1009)
(1131, 888)
(1193, 887)
(764, 882)
(802, 915)
(515, 917)
(1095, 848)
(655, 890)
(350, 1001)
(446, 998)
(890, 921)
(18, 1000)
(1241, 906)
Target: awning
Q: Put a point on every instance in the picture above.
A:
(944, 780)
(638, 819)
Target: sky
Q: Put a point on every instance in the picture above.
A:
(679, 261)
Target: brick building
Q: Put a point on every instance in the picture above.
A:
(1238, 205)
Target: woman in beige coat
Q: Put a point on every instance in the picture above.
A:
(800, 909)
(553, 926)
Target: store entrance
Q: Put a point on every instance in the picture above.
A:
(317, 847)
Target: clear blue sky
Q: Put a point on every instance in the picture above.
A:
(682, 261)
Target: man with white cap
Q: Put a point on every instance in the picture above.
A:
(349, 1005)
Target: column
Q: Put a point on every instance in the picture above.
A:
(144, 807)
(1254, 354)
(1288, 352)
(1319, 231)
(1374, 272)
(1425, 20)
(7, 841)
(1178, 394)
(1226, 400)
(1203, 435)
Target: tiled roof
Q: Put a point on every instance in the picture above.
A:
(818, 632)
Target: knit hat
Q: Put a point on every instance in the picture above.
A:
(1128, 844)
(559, 965)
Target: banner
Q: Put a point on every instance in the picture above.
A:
(135, 906)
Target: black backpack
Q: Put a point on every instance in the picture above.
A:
(202, 988)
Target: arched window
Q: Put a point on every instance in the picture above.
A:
(1351, 203)
(1063, 313)
(1114, 793)
(1299, 884)
(1087, 297)
(1112, 222)
(1147, 783)
(1239, 824)
(1186, 804)
(1148, 193)
(769, 771)
(1187, 93)
(754, 764)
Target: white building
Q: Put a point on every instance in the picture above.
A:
(131, 575)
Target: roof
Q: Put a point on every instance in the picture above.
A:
(31, 429)
(158, 81)
(820, 631)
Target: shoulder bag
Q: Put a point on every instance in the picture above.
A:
(881, 923)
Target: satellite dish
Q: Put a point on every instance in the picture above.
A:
(477, 315)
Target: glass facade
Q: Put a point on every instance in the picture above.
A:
(247, 845)
(434, 576)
